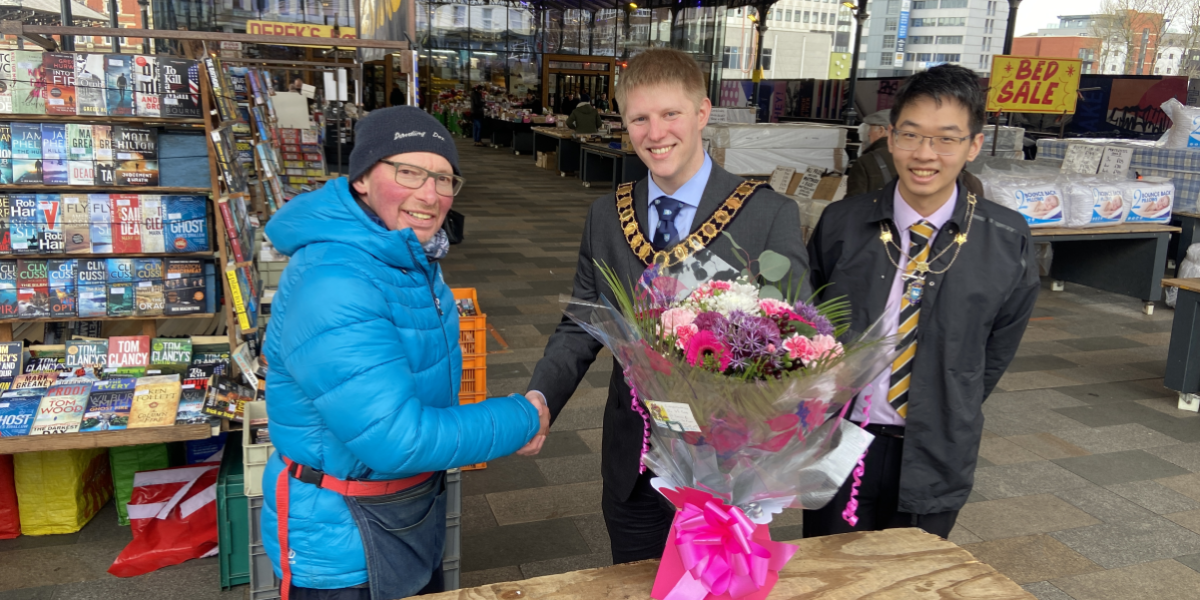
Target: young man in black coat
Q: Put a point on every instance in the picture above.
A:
(954, 277)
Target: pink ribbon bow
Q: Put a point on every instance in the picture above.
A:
(716, 551)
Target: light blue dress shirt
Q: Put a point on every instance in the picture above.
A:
(689, 194)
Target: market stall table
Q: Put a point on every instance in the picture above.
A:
(598, 162)
(1183, 354)
(517, 136)
(894, 563)
(560, 141)
(1126, 259)
(1189, 223)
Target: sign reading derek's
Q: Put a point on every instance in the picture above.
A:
(1032, 84)
(299, 30)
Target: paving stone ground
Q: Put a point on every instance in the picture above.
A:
(1088, 486)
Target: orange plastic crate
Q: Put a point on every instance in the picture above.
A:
(474, 375)
(472, 336)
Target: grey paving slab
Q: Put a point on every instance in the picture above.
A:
(563, 443)
(1111, 342)
(501, 475)
(1154, 496)
(566, 564)
(1120, 467)
(197, 582)
(472, 579)
(1184, 455)
(1112, 545)
(571, 469)
(594, 532)
(1025, 479)
(1153, 580)
(1110, 392)
(1115, 413)
(1020, 516)
(1182, 429)
(1044, 590)
(477, 514)
(1104, 504)
(1030, 400)
(514, 545)
(1192, 561)
(1116, 438)
(1045, 362)
(550, 502)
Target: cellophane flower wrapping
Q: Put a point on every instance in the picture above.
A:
(753, 418)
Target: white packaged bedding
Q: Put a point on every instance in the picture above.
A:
(762, 161)
(1038, 199)
(1152, 200)
(1094, 202)
(775, 136)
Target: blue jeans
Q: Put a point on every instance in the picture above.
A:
(477, 127)
(404, 535)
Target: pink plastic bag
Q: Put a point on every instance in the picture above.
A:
(10, 516)
(173, 515)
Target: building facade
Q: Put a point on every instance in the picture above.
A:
(802, 37)
(902, 37)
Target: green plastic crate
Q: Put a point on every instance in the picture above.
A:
(233, 520)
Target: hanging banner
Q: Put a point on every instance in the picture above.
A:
(387, 20)
(1031, 84)
(300, 30)
(902, 33)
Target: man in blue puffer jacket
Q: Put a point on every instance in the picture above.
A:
(365, 370)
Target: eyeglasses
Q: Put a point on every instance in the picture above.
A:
(413, 177)
(944, 145)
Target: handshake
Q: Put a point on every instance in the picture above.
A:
(535, 445)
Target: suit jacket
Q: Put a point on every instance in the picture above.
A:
(766, 221)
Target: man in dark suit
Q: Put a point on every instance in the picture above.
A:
(665, 107)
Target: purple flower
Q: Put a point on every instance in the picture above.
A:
(749, 338)
(814, 316)
(710, 321)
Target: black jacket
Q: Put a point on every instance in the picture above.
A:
(477, 106)
(971, 322)
(767, 221)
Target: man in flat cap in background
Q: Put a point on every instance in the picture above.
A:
(874, 167)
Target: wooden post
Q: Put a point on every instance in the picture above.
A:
(150, 328)
(996, 132)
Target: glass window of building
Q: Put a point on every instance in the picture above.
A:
(731, 58)
(950, 39)
(766, 59)
(889, 42)
(921, 39)
(891, 23)
(806, 16)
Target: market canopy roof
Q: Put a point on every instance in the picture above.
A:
(594, 5)
(23, 9)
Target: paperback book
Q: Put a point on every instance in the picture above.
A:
(185, 287)
(181, 88)
(169, 356)
(100, 223)
(89, 85)
(33, 289)
(49, 224)
(12, 356)
(121, 280)
(62, 408)
(8, 289)
(5, 220)
(80, 145)
(61, 276)
(128, 356)
(148, 95)
(155, 401)
(37, 379)
(191, 405)
(118, 84)
(58, 70)
(6, 157)
(6, 82)
(81, 172)
(23, 224)
(109, 404)
(127, 224)
(91, 279)
(102, 143)
(54, 172)
(86, 358)
(152, 223)
(149, 300)
(75, 226)
(17, 410)
(185, 223)
(54, 140)
(28, 85)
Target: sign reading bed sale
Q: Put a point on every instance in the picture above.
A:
(1031, 84)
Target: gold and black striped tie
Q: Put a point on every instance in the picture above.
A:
(906, 348)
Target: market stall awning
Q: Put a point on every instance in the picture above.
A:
(594, 5)
(22, 9)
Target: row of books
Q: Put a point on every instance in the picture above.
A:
(114, 287)
(103, 224)
(78, 154)
(115, 85)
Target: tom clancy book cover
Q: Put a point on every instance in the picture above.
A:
(5, 218)
(58, 71)
(181, 87)
(185, 223)
(148, 297)
(169, 356)
(86, 358)
(109, 404)
(128, 355)
(6, 82)
(89, 85)
(184, 287)
(118, 84)
(28, 85)
(91, 287)
(11, 356)
(76, 229)
(49, 224)
(100, 223)
(61, 276)
(33, 289)
(152, 223)
(23, 224)
(127, 224)
(6, 157)
(121, 280)
(8, 289)
(147, 98)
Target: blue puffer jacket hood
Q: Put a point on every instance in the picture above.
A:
(364, 374)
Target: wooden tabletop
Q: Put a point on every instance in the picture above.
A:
(895, 563)
(1191, 285)
(1109, 230)
(563, 134)
(1190, 215)
(104, 439)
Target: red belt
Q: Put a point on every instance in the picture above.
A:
(326, 482)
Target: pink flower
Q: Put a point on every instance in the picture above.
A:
(675, 318)
(772, 307)
(799, 348)
(708, 288)
(683, 334)
(826, 346)
(727, 436)
(783, 422)
(704, 343)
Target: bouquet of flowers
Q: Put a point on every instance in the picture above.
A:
(742, 388)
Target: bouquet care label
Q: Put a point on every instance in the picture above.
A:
(675, 416)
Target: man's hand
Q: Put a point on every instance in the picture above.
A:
(535, 445)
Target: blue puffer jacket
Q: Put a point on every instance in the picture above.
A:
(364, 375)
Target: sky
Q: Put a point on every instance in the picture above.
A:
(1035, 14)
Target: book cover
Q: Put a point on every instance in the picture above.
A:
(26, 140)
(75, 227)
(223, 398)
(37, 379)
(61, 276)
(155, 401)
(100, 223)
(232, 233)
(5, 219)
(54, 140)
(211, 351)
(134, 143)
(86, 358)
(6, 157)
(184, 287)
(58, 71)
(191, 404)
(33, 289)
(238, 299)
(17, 410)
(109, 404)
(185, 223)
(11, 359)
(62, 408)
(81, 172)
(6, 82)
(89, 85)
(152, 223)
(47, 359)
(118, 84)
(121, 281)
(128, 355)
(28, 84)
(49, 224)
(169, 356)
(181, 88)
(136, 172)
(23, 224)
(149, 300)
(91, 285)
(148, 86)
(106, 172)
(54, 172)
(127, 224)
(27, 171)
(102, 143)
(8, 289)
(80, 145)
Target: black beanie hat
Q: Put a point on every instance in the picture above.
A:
(395, 130)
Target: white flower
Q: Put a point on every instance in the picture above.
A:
(741, 296)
